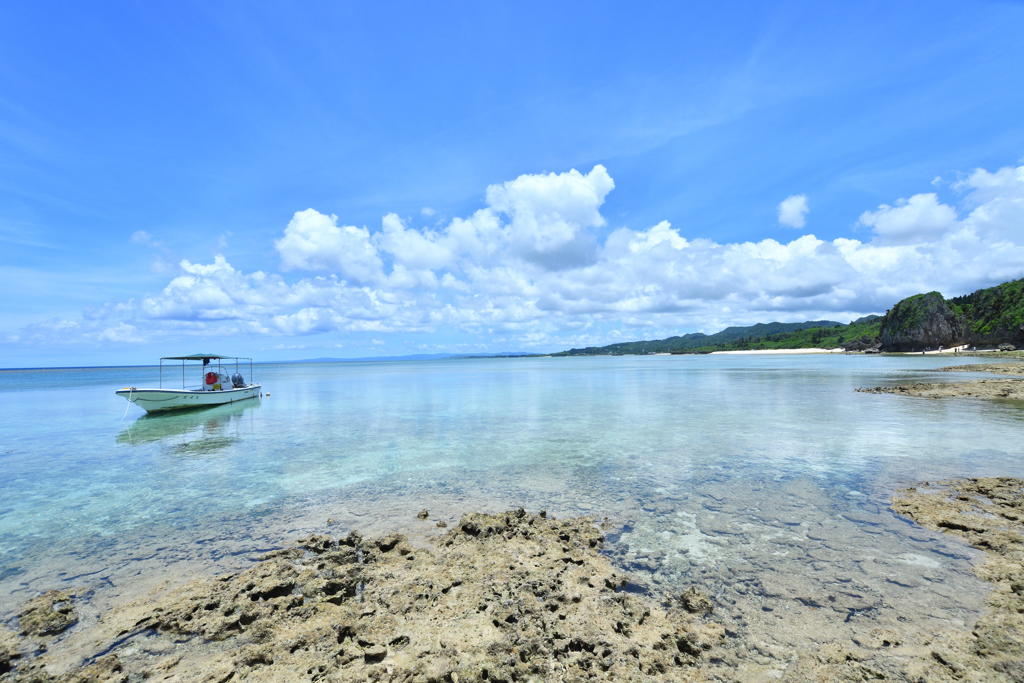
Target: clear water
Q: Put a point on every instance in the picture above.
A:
(709, 466)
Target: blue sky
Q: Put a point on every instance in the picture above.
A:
(556, 174)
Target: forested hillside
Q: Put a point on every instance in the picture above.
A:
(988, 317)
(810, 334)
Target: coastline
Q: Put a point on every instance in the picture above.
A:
(952, 351)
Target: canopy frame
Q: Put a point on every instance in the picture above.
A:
(205, 358)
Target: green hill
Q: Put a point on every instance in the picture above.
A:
(994, 315)
(810, 334)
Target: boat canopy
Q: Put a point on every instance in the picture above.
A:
(204, 356)
(205, 359)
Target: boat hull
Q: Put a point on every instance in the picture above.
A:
(159, 400)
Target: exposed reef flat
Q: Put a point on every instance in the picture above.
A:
(499, 598)
(1011, 388)
(988, 514)
(981, 388)
(1007, 368)
(520, 597)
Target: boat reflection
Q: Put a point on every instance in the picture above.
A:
(193, 432)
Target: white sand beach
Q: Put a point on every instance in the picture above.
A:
(777, 352)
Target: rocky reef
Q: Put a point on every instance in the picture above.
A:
(507, 597)
(988, 514)
(524, 597)
(1010, 388)
(1006, 368)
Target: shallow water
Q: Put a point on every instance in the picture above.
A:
(763, 479)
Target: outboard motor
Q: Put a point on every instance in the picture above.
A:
(237, 381)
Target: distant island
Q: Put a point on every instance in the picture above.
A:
(989, 318)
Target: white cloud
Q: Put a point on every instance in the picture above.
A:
(122, 332)
(141, 237)
(313, 241)
(997, 200)
(918, 219)
(57, 331)
(793, 210)
(427, 211)
(549, 212)
(412, 248)
(528, 269)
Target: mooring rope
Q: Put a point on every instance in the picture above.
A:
(129, 404)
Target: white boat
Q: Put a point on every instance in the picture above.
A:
(215, 386)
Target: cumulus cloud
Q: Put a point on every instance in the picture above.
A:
(411, 248)
(997, 200)
(313, 241)
(528, 269)
(911, 221)
(549, 212)
(793, 211)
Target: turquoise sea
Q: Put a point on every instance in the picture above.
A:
(731, 472)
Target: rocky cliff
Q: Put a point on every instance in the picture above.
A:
(987, 318)
(921, 321)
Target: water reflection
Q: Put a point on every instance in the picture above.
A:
(193, 432)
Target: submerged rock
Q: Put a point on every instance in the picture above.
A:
(10, 650)
(695, 601)
(48, 614)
